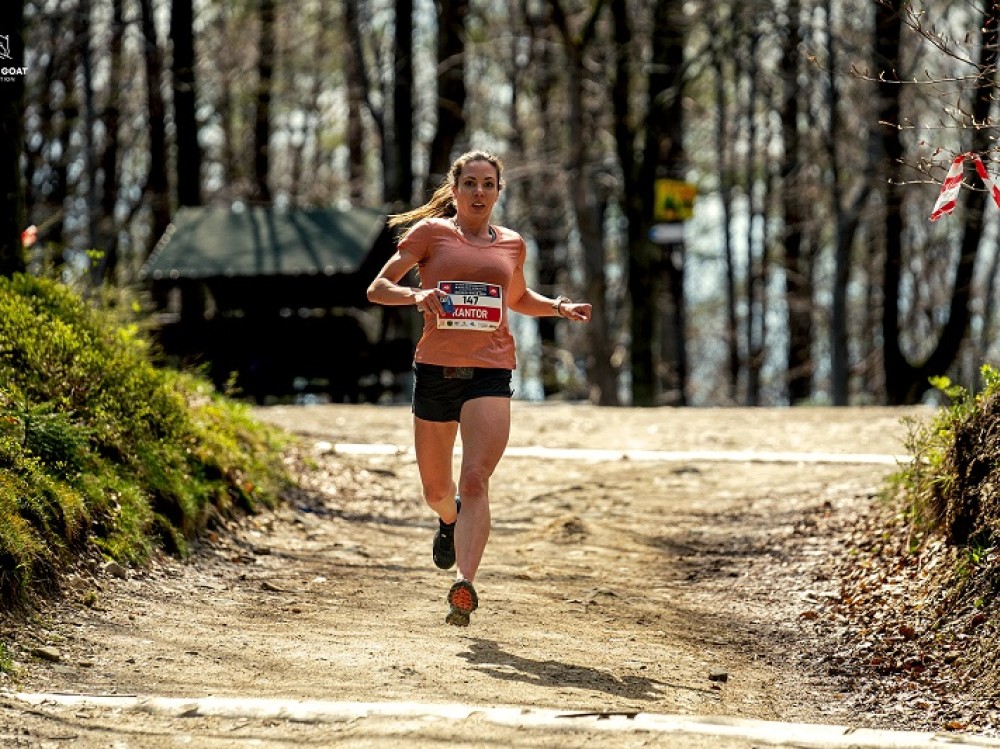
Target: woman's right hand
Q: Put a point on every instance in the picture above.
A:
(429, 301)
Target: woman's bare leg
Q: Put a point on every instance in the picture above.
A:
(434, 443)
(485, 431)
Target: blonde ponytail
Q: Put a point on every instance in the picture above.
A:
(440, 204)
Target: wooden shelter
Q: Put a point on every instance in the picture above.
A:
(271, 302)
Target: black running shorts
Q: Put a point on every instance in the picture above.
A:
(440, 392)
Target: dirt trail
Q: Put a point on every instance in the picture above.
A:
(607, 586)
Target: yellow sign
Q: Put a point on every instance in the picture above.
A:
(674, 200)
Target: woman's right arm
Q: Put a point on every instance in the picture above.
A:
(386, 289)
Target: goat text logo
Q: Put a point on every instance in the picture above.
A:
(9, 73)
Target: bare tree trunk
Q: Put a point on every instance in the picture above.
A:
(723, 169)
(664, 157)
(768, 253)
(888, 28)
(798, 291)
(82, 30)
(48, 163)
(185, 103)
(157, 183)
(839, 362)
(587, 207)
(846, 221)
(227, 119)
(356, 88)
(450, 88)
(871, 351)
(756, 286)
(987, 333)
(355, 147)
(956, 329)
(320, 154)
(906, 382)
(637, 209)
(399, 186)
(541, 196)
(262, 115)
(12, 217)
(107, 228)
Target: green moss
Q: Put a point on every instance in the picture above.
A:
(99, 448)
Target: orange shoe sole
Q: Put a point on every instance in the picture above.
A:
(463, 601)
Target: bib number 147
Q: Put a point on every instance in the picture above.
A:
(471, 305)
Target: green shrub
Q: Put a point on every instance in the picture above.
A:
(101, 449)
(953, 483)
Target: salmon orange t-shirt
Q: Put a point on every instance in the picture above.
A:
(475, 333)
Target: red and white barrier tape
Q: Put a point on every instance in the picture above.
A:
(948, 196)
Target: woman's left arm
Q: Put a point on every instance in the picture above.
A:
(529, 302)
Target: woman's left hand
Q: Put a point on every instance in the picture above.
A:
(578, 311)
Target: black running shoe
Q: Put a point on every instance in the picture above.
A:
(444, 542)
(462, 601)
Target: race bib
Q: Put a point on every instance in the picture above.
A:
(470, 306)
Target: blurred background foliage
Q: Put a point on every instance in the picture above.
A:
(816, 133)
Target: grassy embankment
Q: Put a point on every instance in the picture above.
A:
(920, 589)
(103, 453)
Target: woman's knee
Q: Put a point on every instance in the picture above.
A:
(474, 481)
(436, 492)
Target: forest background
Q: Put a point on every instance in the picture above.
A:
(817, 134)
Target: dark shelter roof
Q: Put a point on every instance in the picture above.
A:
(242, 241)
